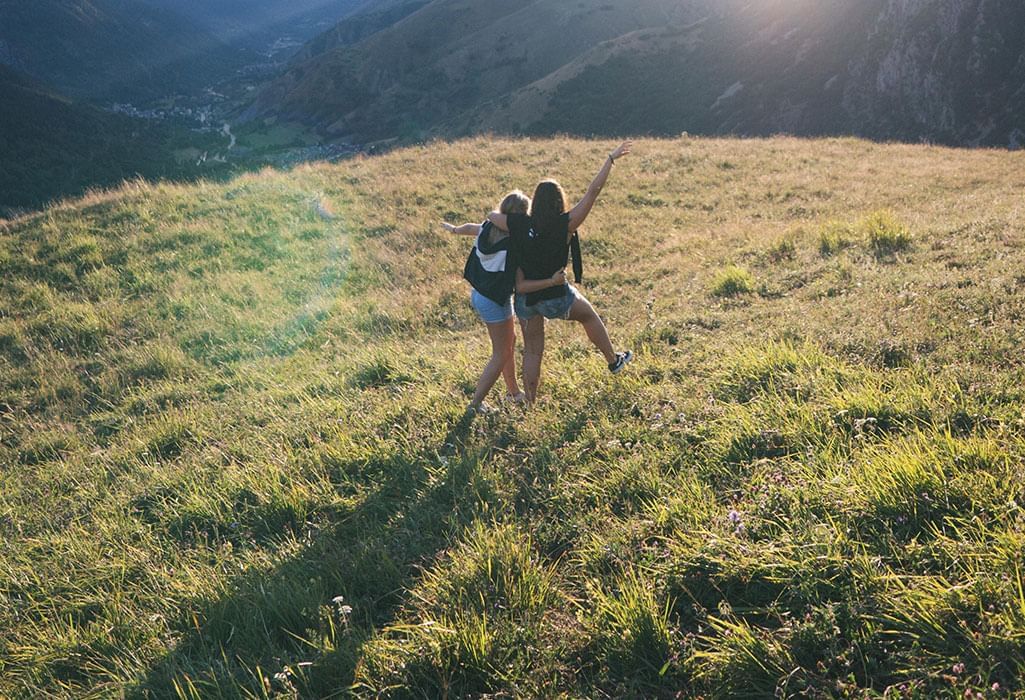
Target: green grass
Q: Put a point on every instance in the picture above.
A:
(235, 463)
(732, 281)
(887, 236)
(834, 237)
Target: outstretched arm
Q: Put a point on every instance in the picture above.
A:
(578, 213)
(464, 230)
(525, 286)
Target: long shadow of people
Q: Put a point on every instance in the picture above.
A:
(368, 556)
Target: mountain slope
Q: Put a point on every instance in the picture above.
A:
(954, 72)
(110, 49)
(366, 22)
(888, 69)
(445, 58)
(255, 23)
(51, 146)
(907, 72)
(748, 68)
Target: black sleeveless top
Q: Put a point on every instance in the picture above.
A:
(540, 253)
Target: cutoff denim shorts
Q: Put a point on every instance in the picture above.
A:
(549, 308)
(489, 311)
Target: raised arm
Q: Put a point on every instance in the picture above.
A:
(464, 230)
(578, 213)
(525, 286)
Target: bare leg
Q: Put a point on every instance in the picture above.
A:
(533, 350)
(500, 333)
(584, 313)
(509, 370)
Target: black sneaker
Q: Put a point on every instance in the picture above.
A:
(621, 359)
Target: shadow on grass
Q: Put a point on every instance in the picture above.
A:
(234, 645)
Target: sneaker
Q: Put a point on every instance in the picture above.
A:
(518, 399)
(481, 410)
(621, 359)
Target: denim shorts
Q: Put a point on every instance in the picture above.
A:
(489, 311)
(549, 308)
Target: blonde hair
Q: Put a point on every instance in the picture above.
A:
(515, 203)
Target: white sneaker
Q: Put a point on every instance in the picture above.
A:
(481, 410)
(519, 399)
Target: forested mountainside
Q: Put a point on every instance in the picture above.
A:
(110, 49)
(888, 69)
(51, 146)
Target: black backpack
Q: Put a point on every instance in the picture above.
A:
(574, 254)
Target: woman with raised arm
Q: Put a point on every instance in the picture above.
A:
(490, 269)
(542, 239)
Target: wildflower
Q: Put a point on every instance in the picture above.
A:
(958, 668)
(343, 610)
(737, 520)
(995, 687)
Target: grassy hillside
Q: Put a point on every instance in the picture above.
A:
(234, 463)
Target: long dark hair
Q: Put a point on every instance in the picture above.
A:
(548, 206)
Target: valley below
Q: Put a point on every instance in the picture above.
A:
(213, 109)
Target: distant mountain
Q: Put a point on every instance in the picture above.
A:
(951, 72)
(446, 57)
(51, 146)
(372, 17)
(110, 49)
(255, 23)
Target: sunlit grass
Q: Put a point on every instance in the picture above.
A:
(235, 464)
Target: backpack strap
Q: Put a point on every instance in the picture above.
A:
(578, 263)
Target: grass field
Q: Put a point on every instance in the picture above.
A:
(233, 461)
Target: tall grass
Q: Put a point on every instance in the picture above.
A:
(234, 464)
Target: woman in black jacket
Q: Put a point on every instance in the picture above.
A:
(541, 241)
